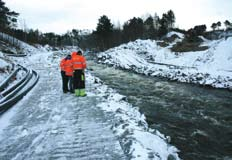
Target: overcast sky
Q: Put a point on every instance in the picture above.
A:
(61, 15)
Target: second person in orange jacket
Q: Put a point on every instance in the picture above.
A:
(68, 67)
(63, 75)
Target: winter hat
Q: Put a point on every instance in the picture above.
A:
(79, 52)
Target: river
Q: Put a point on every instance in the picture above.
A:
(197, 119)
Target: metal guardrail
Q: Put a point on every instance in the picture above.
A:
(16, 55)
(16, 92)
(7, 80)
(13, 87)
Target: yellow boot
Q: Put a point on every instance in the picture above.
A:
(77, 92)
(82, 93)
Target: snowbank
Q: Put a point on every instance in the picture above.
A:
(210, 67)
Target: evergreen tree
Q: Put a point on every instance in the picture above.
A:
(149, 29)
(163, 30)
(200, 29)
(3, 16)
(214, 26)
(75, 37)
(193, 33)
(104, 26)
(228, 24)
(171, 19)
(8, 19)
(133, 29)
(33, 36)
(104, 31)
(219, 24)
(148, 23)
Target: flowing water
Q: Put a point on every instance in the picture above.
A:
(197, 119)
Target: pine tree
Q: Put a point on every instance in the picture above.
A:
(171, 19)
(8, 19)
(104, 31)
(219, 24)
(104, 26)
(214, 26)
(228, 24)
(164, 23)
(133, 29)
(149, 29)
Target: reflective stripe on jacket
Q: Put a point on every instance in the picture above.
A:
(78, 62)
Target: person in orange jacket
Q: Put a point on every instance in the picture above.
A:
(63, 76)
(69, 72)
(79, 65)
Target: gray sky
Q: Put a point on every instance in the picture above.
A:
(61, 15)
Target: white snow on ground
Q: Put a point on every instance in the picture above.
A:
(210, 67)
(136, 139)
(3, 63)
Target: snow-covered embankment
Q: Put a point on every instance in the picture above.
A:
(211, 67)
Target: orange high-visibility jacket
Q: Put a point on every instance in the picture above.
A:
(73, 54)
(68, 67)
(62, 64)
(78, 62)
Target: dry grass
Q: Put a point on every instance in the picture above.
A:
(189, 45)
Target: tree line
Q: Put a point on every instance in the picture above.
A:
(106, 34)
(152, 27)
(218, 24)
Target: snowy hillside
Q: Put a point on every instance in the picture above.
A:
(25, 48)
(210, 67)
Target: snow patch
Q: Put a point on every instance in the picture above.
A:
(180, 35)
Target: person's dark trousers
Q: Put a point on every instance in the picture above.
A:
(70, 84)
(64, 82)
(77, 79)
